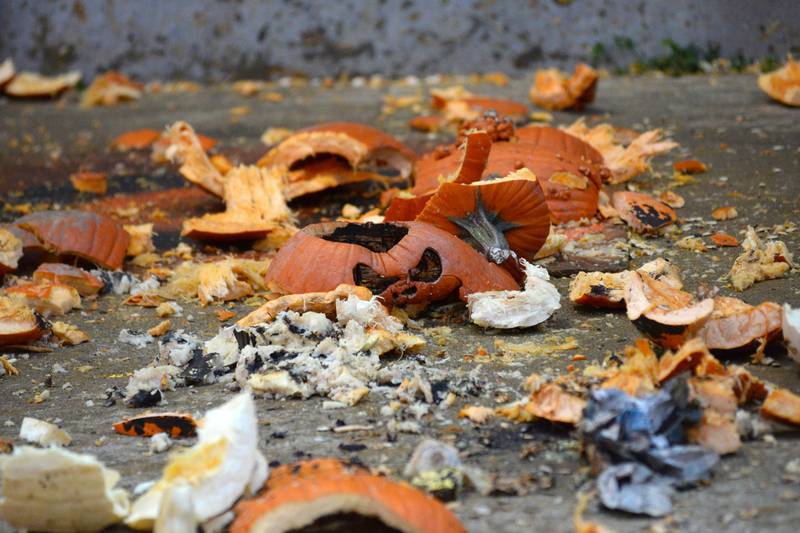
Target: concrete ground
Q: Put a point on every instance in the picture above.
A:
(750, 144)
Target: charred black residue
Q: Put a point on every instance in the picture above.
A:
(145, 398)
(599, 290)
(650, 216)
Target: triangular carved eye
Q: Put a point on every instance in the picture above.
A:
(429, 268)
(367, 277)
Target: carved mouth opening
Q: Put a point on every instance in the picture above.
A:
(374, 237)
(367, 277)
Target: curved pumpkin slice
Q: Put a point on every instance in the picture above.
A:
(85, 283)
(254, 206)
(496, 217)
(553, 90)
(783, 84)
(10, 251)
(783, 406)
(89, 236)
(298, 495)
(110, 89)
(476, 148)
(665, 314)
(642, 212)
(359, 144)
(18, 324)
(735, 325)
(135, 140)
(321, 174)
(406, 262)
(458, 104)
(46, 298)
(607, 290)
(181, 144)
(33, 85)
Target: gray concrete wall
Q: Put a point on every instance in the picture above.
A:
(215, 40)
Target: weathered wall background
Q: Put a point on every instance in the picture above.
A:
(216, 40)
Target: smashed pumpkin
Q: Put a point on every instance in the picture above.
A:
(18, 323)
(553, 90)
(783, 84)
(735, 325)
(404, 262)
(642, 212)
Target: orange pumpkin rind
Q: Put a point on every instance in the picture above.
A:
(297, 495)
(19, 325)
(553, 90)
(33, 85)
(360, 145)
(85, 283)
(88, 236)
(174, 424)
(642, 212)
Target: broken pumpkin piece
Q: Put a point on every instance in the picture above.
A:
(254, 206)
(759, 261)
(499, 218)
(672, 199)
(553, 90)
(68, 334)
(88, 236)
(218, 282)
(135, 140)
(783, 84)
(175, 425)
(360, 145)
(91, 182)
(47, 298)
(549, 402)
(160, 329)
(427, 123)
(607, 289)
(458, 104)
(716, 432)
(19, 325)
(141, 239)
(301, 494)
(319, 302)
(736, 326)
(405, 262)
(665, 314)
(689, 166)
(642, 212)
(110, 89)
(783, 406)
(219, 469)
(689, 356)
(623, 162)
(181, 144)
(727, 212)
(57, 490)
(33, 85)
(724, 239)
(320, 174)
(10, 251)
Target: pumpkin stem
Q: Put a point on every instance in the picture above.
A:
(485, 231)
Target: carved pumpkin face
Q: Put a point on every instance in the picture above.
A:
(404, 262)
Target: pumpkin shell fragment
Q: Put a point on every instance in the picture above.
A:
(10, 251)
(88, 236)
(297, 495)
(783, 84)
(359, 144)
(86, 284)
(18, 324)
(642, 212)
(736, 325)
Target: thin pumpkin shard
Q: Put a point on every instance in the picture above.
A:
(298, 495)
(496, 217)
(185, 147)
(783, 84)
(476, 148)
(254, 206)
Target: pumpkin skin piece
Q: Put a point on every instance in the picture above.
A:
(359, 144)
(391, 260)
(85, 283)
(296, 495)
(642, 212)
(477, 146)
(735, 325)
(496, 217)
(18, 323)
(89, 236)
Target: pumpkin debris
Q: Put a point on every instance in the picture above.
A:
(724, 213)
(110, 89)
(91, 182)
(33, 85)
(553, 90)
(783, 84)
(10, 251)
(759, 261)
(58, 490)
(68, 334)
